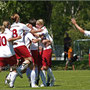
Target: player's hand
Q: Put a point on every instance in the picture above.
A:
(30, 26)
(44, 41)
(73, 21)
(19, 37)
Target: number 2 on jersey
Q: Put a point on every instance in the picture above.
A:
(15, 33)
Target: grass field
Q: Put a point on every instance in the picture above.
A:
(65, 80)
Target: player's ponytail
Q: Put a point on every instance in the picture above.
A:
(15, 18)
(2, 29)
(6, 24)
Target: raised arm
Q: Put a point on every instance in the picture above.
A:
(77, 26)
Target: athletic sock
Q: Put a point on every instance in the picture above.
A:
(48, 78)
(49, 72)
(12, 78)
(24, 65)
(43, 76)
(33, 78)
(8, 76)
(28, 73)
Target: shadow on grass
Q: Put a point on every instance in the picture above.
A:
(28, 87)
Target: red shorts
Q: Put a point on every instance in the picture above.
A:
(36, 57)
(22, 51)
(8, 60)
(46, 57)
(40, 58)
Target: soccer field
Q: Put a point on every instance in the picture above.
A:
(65, 80)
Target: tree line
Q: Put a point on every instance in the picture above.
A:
(56, 14)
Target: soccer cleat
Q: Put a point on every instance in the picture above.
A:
(52, 83)
(37, 81)
(7, 81)
(19, 73)
(47, 84)
(11, 85)
(35, 86)
(42, 85)
(30, 84)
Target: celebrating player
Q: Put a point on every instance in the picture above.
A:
(19, 47)
(47, 51)
(87, 33)
(7, 54)
(30, 40)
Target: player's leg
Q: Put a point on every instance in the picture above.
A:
(43, 77)
(12, 61)
(66, 66)
(33, 77)
(28, 73)
(47, 56)
(22, 51)
(33, 73)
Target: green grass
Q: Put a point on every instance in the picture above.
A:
(65, 80)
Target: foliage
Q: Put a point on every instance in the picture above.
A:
(79, 65)
(56, 14)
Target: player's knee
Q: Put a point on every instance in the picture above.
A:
(29, 59)
(45, 67)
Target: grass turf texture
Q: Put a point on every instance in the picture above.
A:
(65, 80)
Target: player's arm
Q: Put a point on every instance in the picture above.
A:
(77, 26)
(32, 29)
(13, 39)
(36, 40)
(36, 35)
(35, 31)
(46, 42)
(33, 39)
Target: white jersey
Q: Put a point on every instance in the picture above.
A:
(28, 40)
(45, 32)
(6, 48)
(18, 29)
(34, 46)
(49, 38)
(87, 33)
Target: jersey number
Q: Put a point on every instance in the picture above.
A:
(3, 41)
(15, 33)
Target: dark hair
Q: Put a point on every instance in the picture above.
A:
(32, 22)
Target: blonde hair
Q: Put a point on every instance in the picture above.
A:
(40, 22)
(6, 24)
(15, 18)
(2, 29)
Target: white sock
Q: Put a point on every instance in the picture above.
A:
(24, 65)
(43, 76)
(28, 73)
(13, 78)
(9, 75)
(49, 72)
(33, 78)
